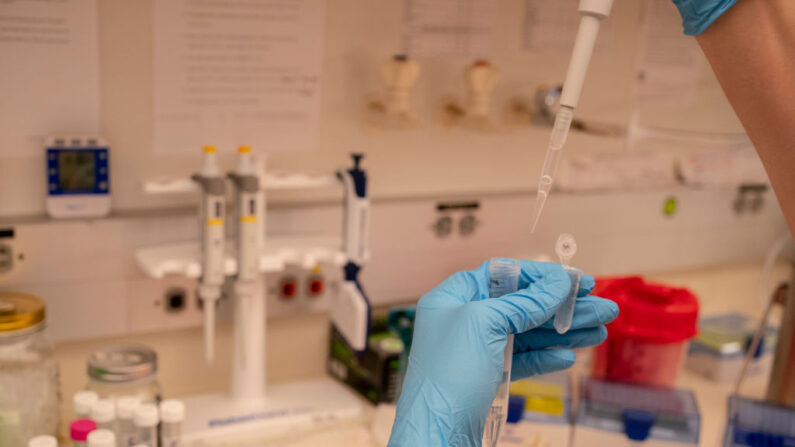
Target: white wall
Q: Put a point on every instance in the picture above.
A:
(359, 35)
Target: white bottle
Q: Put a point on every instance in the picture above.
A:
(43, 441)
(125, 427)
(103, 412)
(101, 438)
(82, 402)
(146, 419)
(172, 413)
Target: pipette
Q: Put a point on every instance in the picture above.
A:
(212, 209)
(248, 232)
(593, 12)
(503, 279)
(565, 248)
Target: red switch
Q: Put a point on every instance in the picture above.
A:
(315, 286)
(288, 289)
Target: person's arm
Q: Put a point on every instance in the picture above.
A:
(751, 48)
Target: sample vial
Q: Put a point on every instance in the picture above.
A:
(82, 402)
(172, 413)
(101, 438)
(79, 431)
(125, 427)
(103, 412)
(43, 441)
(146, 419)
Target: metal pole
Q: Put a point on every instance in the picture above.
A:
(781, 389)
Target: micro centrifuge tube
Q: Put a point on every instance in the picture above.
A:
(566, 248)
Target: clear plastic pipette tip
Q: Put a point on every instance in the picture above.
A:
(541, 198)
(209, 331)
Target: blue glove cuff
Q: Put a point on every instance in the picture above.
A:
(698, 15)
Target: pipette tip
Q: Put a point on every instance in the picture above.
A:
(541, 198)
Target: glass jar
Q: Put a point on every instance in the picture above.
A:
(124, 371)
(29, 384)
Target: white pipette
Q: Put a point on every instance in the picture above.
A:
(593, 12)
(503, 279)
(212, 209)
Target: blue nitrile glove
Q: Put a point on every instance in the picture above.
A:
(456, 359)
(698, 15)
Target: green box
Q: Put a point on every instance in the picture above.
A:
(375, 373)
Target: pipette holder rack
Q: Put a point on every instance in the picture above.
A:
(247, 411)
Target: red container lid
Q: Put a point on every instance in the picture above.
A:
(80, 429)
(652, 312)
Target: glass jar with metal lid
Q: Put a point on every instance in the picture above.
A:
(122, 371)
(29, 384)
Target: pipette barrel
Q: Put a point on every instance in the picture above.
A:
(503, 280)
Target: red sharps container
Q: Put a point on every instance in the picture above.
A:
(647, 343)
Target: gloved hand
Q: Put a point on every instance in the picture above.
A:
(456, 359)
(698, 15)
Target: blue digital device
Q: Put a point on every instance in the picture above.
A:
(78, 177)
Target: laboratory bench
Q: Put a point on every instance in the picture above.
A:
(183, 371)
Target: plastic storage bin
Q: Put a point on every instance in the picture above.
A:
(719, 350)
(618, 415)
(547, 411)
(755, 423)
(29, 388)
(647, 343)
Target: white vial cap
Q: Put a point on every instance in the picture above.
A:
(172, 411)
(101, 438)
(103, 410)
(43, 441)
(83, 401)
(125, 407)
(146, 416)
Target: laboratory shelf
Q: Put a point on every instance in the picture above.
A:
(183, 258)
(270, 181)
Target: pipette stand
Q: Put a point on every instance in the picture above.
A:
(249, 411)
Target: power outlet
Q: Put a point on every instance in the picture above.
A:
(297, 290)
(167, 303)
(6, 258)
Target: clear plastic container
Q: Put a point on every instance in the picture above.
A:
(758, 423)
(617, 414)
(647, 343)
(30, 397)
(124, 371)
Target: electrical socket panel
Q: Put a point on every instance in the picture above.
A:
(87, 273)
(297, 290)
(172, 302)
